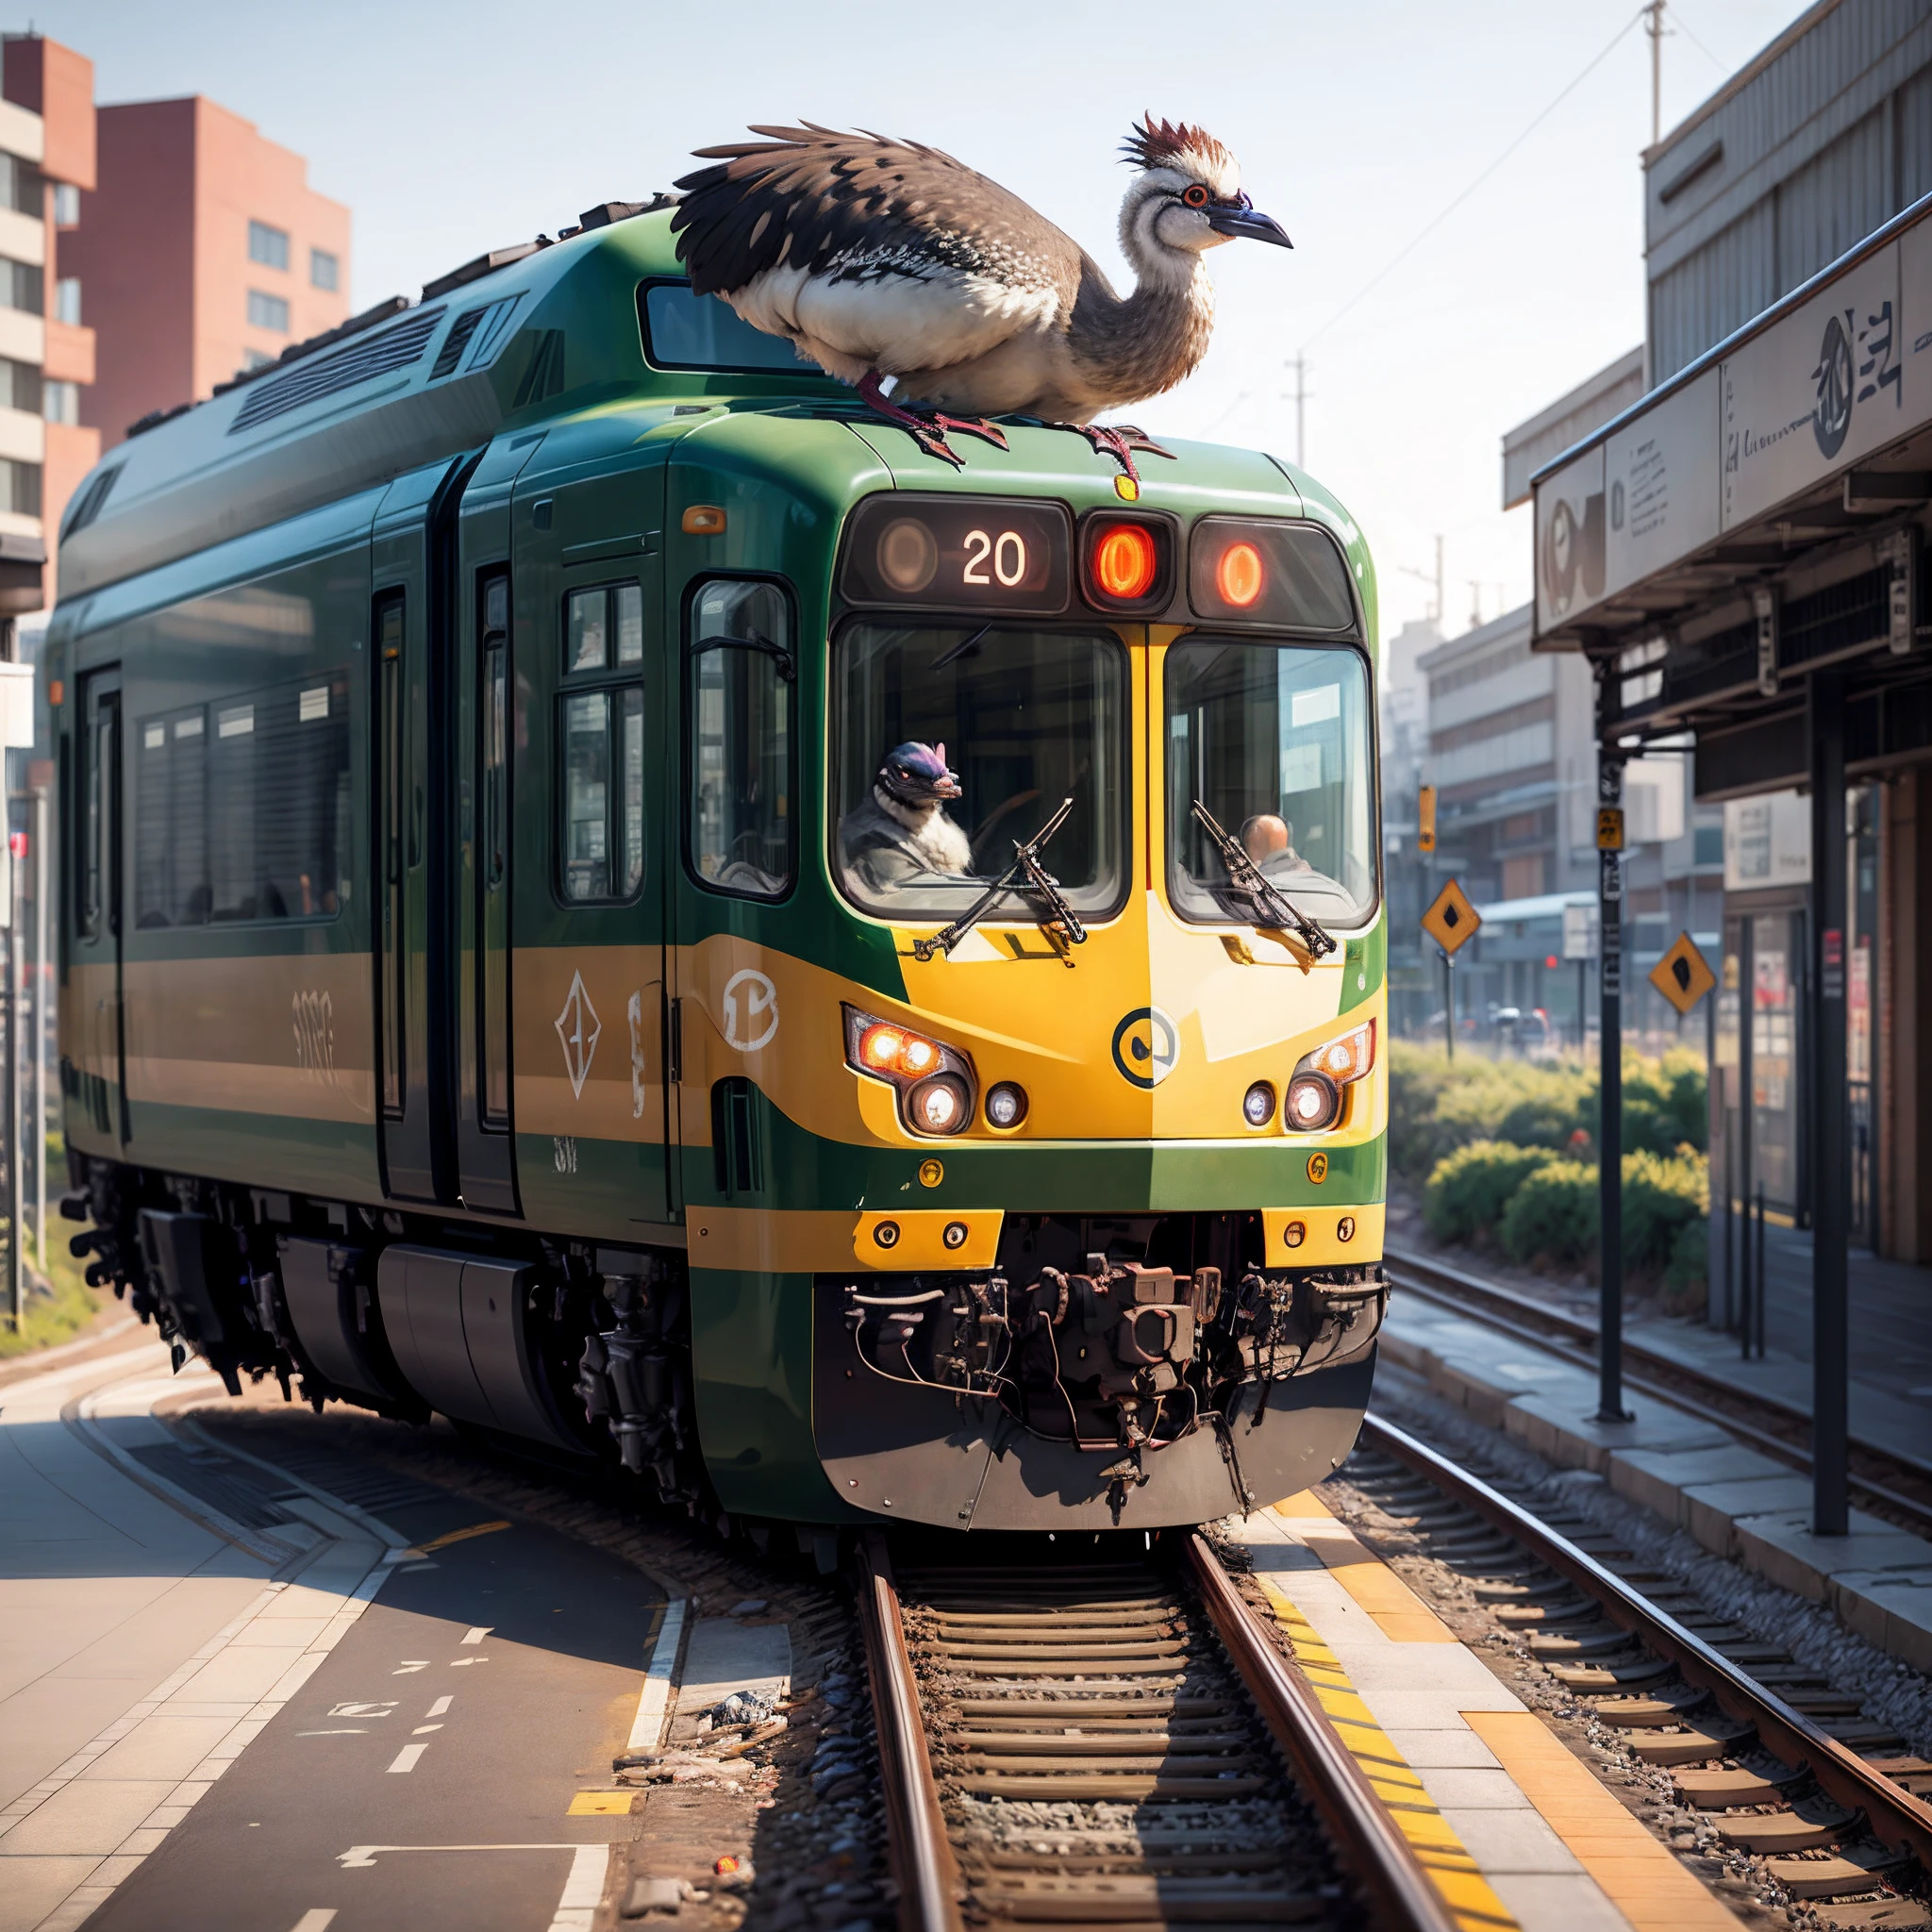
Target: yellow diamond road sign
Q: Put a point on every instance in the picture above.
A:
(1683, 975)
(1452, 919)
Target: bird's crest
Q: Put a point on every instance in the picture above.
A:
(1158, 144)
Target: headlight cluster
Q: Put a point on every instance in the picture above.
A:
(935, 1084)
(1314, 1089)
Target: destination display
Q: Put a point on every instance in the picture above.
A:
(953, 553)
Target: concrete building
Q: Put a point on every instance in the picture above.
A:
(202, 251)
(47, 148)
(1740, 559)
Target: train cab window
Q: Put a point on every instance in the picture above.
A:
(955, 741)
(738, 690)
(601, 728)
(1271, 741)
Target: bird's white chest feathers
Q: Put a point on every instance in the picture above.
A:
(930, 833)
(895, 324)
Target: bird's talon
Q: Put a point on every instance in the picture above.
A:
(972, 426)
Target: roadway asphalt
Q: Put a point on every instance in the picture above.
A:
(421, 1777)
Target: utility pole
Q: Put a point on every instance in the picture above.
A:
(1301, 398)
(1435, 580)
(40, 1117)
(1654, 27)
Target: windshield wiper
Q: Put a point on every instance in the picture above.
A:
(1026, 874)
(1251, 883)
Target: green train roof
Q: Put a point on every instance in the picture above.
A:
(548, 337)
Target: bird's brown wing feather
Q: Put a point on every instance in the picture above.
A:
(861, 205)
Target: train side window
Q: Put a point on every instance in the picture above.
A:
(242, 806)
(601, 731)
(739, 692)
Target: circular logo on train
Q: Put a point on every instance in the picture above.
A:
(1146, 1046)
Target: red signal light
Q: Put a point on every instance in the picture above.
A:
(1240, 574)
(1125, 562)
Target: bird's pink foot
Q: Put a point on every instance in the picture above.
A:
(1119, 443)
(928, 430)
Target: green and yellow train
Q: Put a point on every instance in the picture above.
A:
(498, 979)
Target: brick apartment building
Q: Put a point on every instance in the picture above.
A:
(202, 251)
(48, 354)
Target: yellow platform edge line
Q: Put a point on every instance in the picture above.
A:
(1639, 1874)
(1452, 1870)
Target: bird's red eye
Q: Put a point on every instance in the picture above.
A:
(1195, 196)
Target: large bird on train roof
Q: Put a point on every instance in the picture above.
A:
(879, 257)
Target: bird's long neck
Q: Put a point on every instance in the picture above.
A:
(1152, 340)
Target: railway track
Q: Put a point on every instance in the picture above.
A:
(1114, 1744)
(1892, 1485)
(1784, 1765)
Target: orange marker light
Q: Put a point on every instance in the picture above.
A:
(1125, 562)
(879, 1048)
(1240, 574)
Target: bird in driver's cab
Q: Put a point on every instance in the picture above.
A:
(903, 827)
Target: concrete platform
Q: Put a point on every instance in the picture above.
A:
(1741, 1504)
(1512, 1827)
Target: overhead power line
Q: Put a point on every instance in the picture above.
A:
(1403, 253)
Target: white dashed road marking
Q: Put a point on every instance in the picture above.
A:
(582, 1890)
(479, 1633)
(409, 1756)
(316, 1919)
(439, 1708)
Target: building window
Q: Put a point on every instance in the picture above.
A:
(67, 301)
(66, 205)
(253, 360)
(23, 287)
(61, 401)
(20, 386)
(23, 187)
(269, 246)
(267, 312)
(324, 270)
(20, 488)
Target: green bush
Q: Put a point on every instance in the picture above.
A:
(1662, 1195)
(1470, 1189)
(1689, 1269)
(1436, 1105)
(1552, 1217)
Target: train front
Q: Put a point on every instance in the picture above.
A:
(1094, 1099)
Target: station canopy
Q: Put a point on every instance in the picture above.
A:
(1756, 520)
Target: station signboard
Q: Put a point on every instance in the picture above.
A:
(1828, 379)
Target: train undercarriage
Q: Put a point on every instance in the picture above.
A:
(1105, 1372)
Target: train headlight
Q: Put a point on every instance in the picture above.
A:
(1314, 1092)
(1257, 1104)
(938, 1106)
(1127, 562)
(1006, 1105)
(935, 1083)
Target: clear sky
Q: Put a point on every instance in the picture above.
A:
(454, 126)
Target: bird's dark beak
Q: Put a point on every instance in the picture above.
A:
(1248, 225)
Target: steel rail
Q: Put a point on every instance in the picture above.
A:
(1402, 1895)
(1575, 1339)
(917, 1847)
(1893, 1813)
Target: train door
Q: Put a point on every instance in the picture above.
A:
(99, 1030)
(477, 797)
(589, 711)
(410, 623)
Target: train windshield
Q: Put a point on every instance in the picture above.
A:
(1269, 759)
(953, 742)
